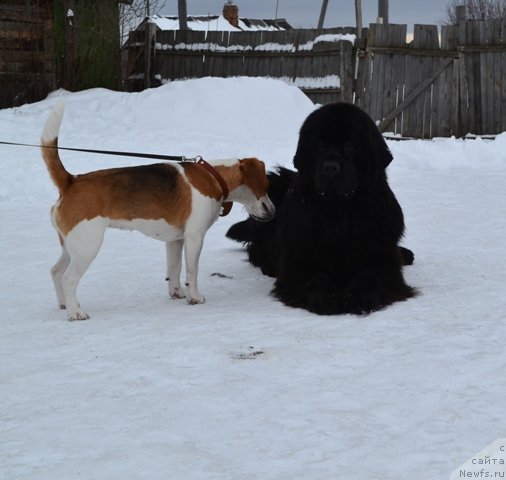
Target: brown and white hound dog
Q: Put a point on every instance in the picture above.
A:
(175, 203)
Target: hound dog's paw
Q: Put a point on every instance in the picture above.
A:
(78, 315)
(176, 293)
(195, 300)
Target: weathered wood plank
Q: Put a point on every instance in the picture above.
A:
(426, 37)
(360, 84)
(445, 96)
(482, 88)
(448, 37)
(345, 72)
(473, 98)
(488, 91)
(416, 124)
(461, 109)
(496, 85)
(434, 103)
(389, 84)
(399, 77)
(415, 93)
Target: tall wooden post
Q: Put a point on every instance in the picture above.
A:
(460, 13)
(70, 57)
(183, 14)
(358, 17)
(150, 31)
(323, 12)
(383, 11)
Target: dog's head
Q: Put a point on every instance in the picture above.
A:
(253, 189)
(341, 150)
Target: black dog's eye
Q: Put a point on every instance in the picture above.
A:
(321, 147)
(349, 150)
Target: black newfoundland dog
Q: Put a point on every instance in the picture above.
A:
(333, 246)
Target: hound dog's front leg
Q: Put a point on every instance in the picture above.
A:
(174, 262)
(192, 247)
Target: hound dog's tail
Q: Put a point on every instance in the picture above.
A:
(49, 143)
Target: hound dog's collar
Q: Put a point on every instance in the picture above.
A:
(226, 206)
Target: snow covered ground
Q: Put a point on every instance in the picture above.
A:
(243, 387)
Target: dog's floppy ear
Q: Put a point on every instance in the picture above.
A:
(298, 159)
(380, 147)
(305, 150)
(384, 154)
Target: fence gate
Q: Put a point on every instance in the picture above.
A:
(481, 48)
(435, 87)
(408, 89)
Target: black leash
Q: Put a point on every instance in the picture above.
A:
(226, 206)
(172, 158)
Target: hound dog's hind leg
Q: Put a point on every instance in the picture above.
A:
(83, 244)
(56, 274)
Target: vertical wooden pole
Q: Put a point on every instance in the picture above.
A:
(358, 17)
(183, 14)
(150, 30)
(460, 111)
(460, 13)
(323, 12)
(383, 11)
(70, 56)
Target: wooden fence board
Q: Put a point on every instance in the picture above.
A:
(488, 97)
(472, 91)
(496, 86)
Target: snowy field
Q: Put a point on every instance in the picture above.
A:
(243, 387)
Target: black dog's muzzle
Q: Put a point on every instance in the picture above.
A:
(335, 176)
(331, 168)
(327, 176)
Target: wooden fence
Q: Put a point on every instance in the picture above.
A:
(435, 86)
(317, 61)
(444, 83)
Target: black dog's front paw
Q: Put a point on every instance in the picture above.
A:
(322, 296)
(362, 303)
(364, 295)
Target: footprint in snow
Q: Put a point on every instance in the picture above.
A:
(249, 354)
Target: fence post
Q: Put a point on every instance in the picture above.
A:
(346, 70)
(70, 45)
(460, 110)
(383, 12)
(460, 13)
(149, 34)
(322, 14)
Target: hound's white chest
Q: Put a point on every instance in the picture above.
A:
(158, 229)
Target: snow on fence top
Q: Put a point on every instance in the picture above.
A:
(265, 47)
(218, 23)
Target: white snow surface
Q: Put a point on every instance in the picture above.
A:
(243, 387)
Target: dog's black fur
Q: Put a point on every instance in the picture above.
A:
(334, 243)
